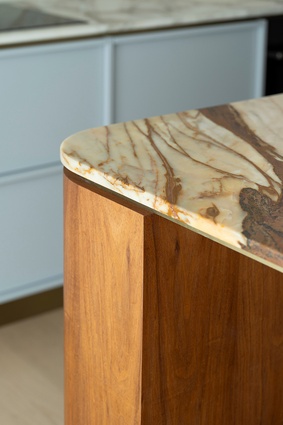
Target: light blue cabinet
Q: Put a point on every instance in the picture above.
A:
(31, 232)
(47, 92)
(171, 71)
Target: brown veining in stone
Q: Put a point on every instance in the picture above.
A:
(228, 117)
(211, 212)
(264, 221)
(173, 186)
(217, 170)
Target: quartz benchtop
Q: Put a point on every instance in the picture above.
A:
(126, 16)
(217, 171)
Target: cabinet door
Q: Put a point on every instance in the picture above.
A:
(31, 227)
(47, 92)
(182, 69)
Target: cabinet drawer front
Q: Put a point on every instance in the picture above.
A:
(47, 93)
(177, 70)
(31, 223)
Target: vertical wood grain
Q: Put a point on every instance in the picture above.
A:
(103, 309)
(212, 333)
(162, 325)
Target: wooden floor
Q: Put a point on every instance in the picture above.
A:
(31, 371)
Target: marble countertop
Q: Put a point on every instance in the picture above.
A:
(133, 16)
(218, 171)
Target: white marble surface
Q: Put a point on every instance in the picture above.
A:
(117, 16)
(217, 170)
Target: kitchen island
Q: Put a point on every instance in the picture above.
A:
(60, 79)
(173, 269)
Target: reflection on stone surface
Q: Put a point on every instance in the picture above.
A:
(217, 170)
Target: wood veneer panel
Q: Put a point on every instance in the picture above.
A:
(103, 309)
(212, 333)
(162, 325)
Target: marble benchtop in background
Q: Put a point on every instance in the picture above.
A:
(218, 171)
(106, 17)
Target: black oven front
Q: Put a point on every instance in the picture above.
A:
(274, 68)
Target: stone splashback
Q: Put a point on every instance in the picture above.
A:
(155, 5)
(111, 5)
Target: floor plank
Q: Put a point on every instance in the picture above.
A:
(31, 371)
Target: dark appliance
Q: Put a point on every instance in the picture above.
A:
(274, 69)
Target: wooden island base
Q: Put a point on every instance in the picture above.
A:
(162, 325)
